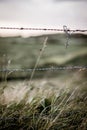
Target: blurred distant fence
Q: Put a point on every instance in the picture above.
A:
(53, 68)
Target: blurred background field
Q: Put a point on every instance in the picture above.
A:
(23, 52)
(64, 92)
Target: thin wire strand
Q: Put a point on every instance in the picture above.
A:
(43, 29)
(46, 69)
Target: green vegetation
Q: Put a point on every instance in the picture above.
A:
(67, 110)
(49, 100)
(23, 52)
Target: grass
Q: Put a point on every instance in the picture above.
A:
(54, 100)
(65, 110)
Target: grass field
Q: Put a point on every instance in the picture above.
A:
(49, 100)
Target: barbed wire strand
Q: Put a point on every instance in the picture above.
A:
(46, 69)
(43, 29)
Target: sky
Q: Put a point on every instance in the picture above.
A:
(42, 13)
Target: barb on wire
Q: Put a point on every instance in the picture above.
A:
(43, 29)
(67, 31)
(46, 69)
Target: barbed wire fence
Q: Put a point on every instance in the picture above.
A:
(45, 29)
(67, 31)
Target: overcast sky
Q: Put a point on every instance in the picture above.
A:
(42, 13)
